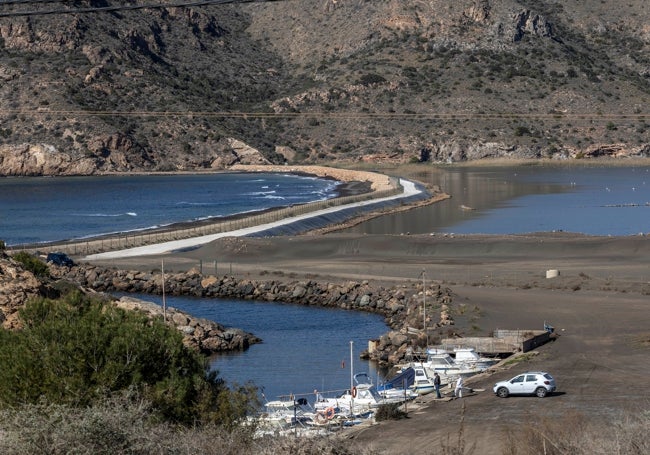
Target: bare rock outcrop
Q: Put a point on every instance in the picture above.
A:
(42, 159)
(108, 153)
(239, 153)
(612, 151)
(17, 286)
(456, 151)
(479, 12)
(119, 152)
(527, 22)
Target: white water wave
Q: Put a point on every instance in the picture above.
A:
(106, 215)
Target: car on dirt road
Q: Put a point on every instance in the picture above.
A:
(537, 383)
(59, 259)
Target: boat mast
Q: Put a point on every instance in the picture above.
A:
(424, 308)
(351, 378)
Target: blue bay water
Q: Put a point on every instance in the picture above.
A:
(37, 209)
(304, 348)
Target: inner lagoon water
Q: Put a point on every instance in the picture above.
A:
(515, 200)
(307, 348)
(304, 347)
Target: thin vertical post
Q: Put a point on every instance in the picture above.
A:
(351, 379)
(164, 303)
(424, 308)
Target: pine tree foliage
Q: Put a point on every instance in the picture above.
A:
(77, 350)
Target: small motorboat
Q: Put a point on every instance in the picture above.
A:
(422, 383)
(362, 400)
(446, 366)
(400, 386)
(469, 357)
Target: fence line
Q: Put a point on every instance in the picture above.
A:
(150, 237)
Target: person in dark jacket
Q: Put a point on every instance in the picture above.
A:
(436, 384)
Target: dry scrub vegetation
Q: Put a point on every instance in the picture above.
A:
(125, 424)
(575, 434)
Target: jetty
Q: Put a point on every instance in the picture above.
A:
(502, 342)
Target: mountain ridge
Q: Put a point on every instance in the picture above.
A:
(313, 81)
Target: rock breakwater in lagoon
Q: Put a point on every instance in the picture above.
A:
(400, 305)
(19, 286)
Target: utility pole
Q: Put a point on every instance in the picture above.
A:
(164, 304)
(424, 308)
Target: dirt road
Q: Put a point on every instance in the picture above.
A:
(599, 360)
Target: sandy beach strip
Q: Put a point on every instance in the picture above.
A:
(378, 182)
(409, 189)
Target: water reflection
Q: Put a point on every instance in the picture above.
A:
(304, 347)
(526, 199)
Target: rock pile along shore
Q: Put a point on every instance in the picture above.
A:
(401, 306)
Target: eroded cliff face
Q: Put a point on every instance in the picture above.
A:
(39, 159)
(114, 154)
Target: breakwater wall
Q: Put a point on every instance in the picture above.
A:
(125, 240)
(201, 334)
(402, 306)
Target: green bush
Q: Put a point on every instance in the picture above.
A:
(371, 78)
(77, 350)
(522, 131)
(32, 263)
(389, 412)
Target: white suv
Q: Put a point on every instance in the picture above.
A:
(531, 383)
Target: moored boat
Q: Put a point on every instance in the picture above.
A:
(469, 357)
(400, 386)
(446, 366)
(422, 383)
(362, 400)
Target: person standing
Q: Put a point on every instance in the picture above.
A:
(436, 384)
(459, 387)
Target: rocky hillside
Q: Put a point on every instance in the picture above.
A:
(95, 87)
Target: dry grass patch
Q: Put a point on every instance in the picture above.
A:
(578, 435)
